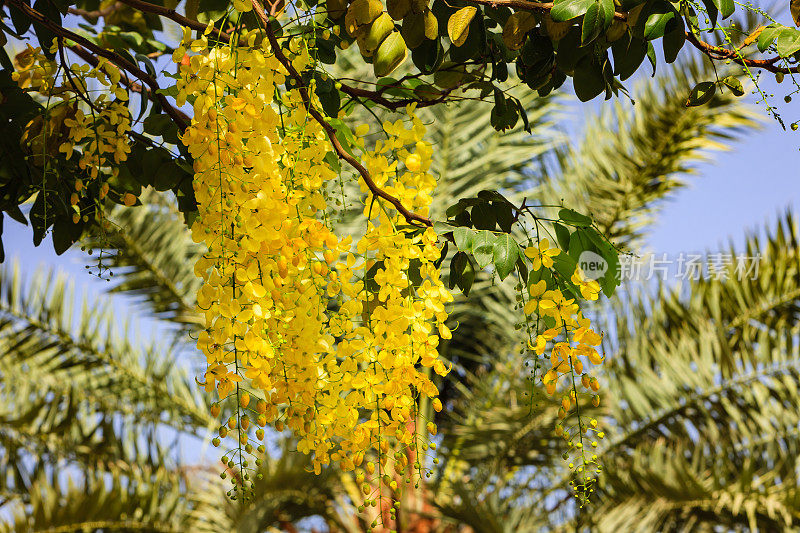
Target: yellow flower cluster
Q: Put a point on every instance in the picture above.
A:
(99, 126)
(290, 313)
(572, 343)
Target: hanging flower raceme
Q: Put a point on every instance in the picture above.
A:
(93, 129)
(100, 127)
(573, 343)
(290, 313)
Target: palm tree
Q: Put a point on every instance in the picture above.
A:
(89, 420)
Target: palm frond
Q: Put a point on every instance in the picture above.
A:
(151, 254)
(709, 382)
(141, 500)
(631, 158)
(75, 388)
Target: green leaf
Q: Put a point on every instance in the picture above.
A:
(463, 219)
(211, 10)
(493, 196)
(522, 266)
(565, 10)
(344, 134)
(610, 279)
(628, 52)
(674, 39)
(63, 238)
(592, 25)
(788, 42)
(442, 256)
(565, 265)
(573, 218)
(369, 277)
(580, 242)
(725, 7)
(651, 55)
(156, 124)
(21, 23)
(328, 94)
(475, 43)
(702, 93)
(570, 50)
(442, 228)
(484, 217)
(734, 84)
(455, 209)
(428, 56)
(464, 237)
(537, 50)
(458, 24)
(45, 36)
(562, 235)
(656, 23)
(607, 8)
(545, 274)
(504, 214)
(503, 116)
(768, 36)
(712, 10)
(483, 248)
(588, 80)
(168, 176)
(467, 278)
(41, 216)
(505, 255)
(457, 266)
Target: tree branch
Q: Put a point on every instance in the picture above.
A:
(95, 14)
(176, 17)
(377, 96)
(717, 53)
(538, 7)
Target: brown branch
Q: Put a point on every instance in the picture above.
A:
(377, 96)
(95, 14)
(174, 16)
(179, 118)
(330, 130)
(538, 7)
(717, 53)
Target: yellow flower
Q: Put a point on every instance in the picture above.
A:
(541, 255)
(590, 289)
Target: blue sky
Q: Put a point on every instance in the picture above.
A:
(741, 190)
